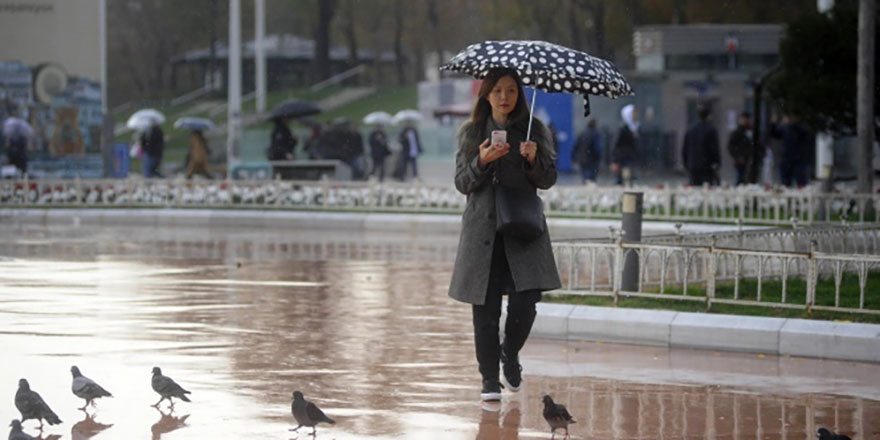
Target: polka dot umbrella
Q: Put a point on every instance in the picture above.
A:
(545, 66)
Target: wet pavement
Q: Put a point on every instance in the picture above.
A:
(362, 325)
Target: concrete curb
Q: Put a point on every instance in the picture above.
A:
(793, 337)
(284, 218)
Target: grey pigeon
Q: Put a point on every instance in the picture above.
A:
(85, 388)
(16, 433)
(825, 434)
(32, 406)
(307, 413)
(167, 388)
(556, 416)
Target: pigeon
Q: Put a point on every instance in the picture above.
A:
(85, 388)
(16, 433)
(32, 406)
(307, 413)
(825, 434)
(167, 388)
(556, 416)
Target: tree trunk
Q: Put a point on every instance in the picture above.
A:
(398, 43)
(434, 21)
(212, 63)
(865, 95)
(574, 26)
(326, 8)
(419, 74)
(350, 35)
(680, 12)
(599, 28)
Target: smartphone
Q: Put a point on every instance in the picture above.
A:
(498, 137)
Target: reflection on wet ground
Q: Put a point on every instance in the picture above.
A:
(363, 326)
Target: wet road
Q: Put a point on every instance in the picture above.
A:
(362, 325)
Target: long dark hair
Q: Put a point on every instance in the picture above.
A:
(519, 117)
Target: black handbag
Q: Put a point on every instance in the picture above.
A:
(519, 212)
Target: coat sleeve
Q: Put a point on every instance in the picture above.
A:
(543, 172)
(468, 174)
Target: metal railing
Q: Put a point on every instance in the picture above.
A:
(703, 205)
(842, 238)
(686, 272)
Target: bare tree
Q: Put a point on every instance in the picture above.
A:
(326, 9)
(398, 42)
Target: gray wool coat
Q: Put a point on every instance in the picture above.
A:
(531, 262)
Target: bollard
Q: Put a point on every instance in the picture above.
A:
(632, 228)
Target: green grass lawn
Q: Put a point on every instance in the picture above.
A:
(770, 293)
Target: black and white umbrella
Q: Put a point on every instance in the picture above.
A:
(545, 66)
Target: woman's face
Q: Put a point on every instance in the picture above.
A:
(503, 96)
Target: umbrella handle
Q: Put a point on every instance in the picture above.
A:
(531, 114)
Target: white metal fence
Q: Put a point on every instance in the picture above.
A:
(749, 205)
(783, 279)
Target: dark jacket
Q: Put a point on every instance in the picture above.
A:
(797, 142)
(740, 146)
(153, 141)
(378, 145)
(283, 142)
(532, 264)
(588, 150)
(700, 151)
(625, 149)
(403, 138)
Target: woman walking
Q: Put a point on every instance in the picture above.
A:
(490, 264)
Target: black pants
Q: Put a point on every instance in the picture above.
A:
(699, 177)
(520, 316)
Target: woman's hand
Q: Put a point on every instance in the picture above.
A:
(529, 150)
(491, 153)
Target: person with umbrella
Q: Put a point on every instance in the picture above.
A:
(199, 152)
(490, 264)
(152, 142)
(626, 151)
(379, 150)
(378, 141)
(283, 141)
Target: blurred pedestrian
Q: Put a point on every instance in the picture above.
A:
(490, 264)
(16, 151)
(282, 143)
(199, 152)
(588, 152)
(700, 153)
(410, 151)
(741, 146)
(152, 142)
(353, 148)
(312, 144)
(379, 151)
(625, 154)
(797, 144)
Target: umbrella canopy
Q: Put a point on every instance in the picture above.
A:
(407, 116)
(545, 66)
(13, 127)
(295, 108)
(381, 118)
(194, 124)
(145, 118)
